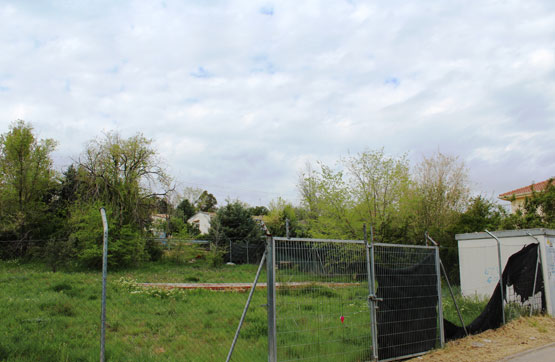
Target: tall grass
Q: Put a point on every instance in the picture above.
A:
(56, 316)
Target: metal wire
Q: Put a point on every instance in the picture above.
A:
(408, 317)
(321, 304)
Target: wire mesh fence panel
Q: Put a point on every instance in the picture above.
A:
(192, 325)
(322, 291)
(55, 316)
(407, 316)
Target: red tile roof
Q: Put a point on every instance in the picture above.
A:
(540, 186)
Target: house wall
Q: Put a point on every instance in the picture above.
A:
(202, 219)
(517, 204)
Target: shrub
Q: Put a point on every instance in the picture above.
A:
(125, 245)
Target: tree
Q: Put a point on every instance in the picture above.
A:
(538, 210)
(258, 210)
(127, 175)
(276, 219)
(206, 202)
(233, 223)
(126, 247)
(370, 187)
(187, 209)
(443, 193)
(481, 214)
(26, 182)
(380, 185)
(441, 196)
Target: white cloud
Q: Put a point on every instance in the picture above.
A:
(254, 89)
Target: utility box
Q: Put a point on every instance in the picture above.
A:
(479, 266)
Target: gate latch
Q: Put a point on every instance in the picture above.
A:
(373, 298)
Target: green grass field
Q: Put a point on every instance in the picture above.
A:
(56, 316)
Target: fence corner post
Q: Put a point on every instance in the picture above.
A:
(501, 287)
(104, 274)
(271, 288)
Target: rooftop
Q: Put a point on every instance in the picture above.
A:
(540, 186)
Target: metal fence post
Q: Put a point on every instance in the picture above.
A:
(500, 274)
(372, 297)
(440, 301)
(448, 284)
(104, 274)
(271, 287)
(253, 287)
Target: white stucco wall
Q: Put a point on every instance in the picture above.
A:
(202, 219)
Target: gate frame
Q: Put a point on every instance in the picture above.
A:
(271, 283)
(439, 294)
(372, 298)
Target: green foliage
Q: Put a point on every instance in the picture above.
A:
(123, 174)
(538, 211)
(181, 252)
(153, 249)
(125, 245)
(258, 210)
(187, 209)
(59, 253)
(279, 212)
(371, 188)
(26, 182)
(441, 187)
(234, 223)
(206, 202)
(480, 214)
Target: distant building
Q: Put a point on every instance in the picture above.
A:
(157, 220)
(517, 196)
(202, 220)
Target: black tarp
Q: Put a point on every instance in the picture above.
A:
(518, 273)
(407, 316)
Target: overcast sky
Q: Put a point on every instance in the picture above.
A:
(238, 95)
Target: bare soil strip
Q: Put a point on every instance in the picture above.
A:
(241, 286)
(493, 345)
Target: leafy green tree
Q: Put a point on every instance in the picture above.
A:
(126, 175)
(126, 245)
(441, 187)
(258, 210)
(538, 211)
(233, 223)
(26, 182)
(371, 188)
(276, 220)
(206, 202)
(481, 214)
(187, 209)
(380, 185)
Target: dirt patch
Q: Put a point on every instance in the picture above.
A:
(517, 336)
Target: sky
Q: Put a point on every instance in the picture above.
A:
(238, 96)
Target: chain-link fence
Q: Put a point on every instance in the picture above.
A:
(325, 294)
(191, 315)
(322, 312)
(409, 290)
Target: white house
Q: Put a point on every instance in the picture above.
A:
(517, 197)
(202, 220)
